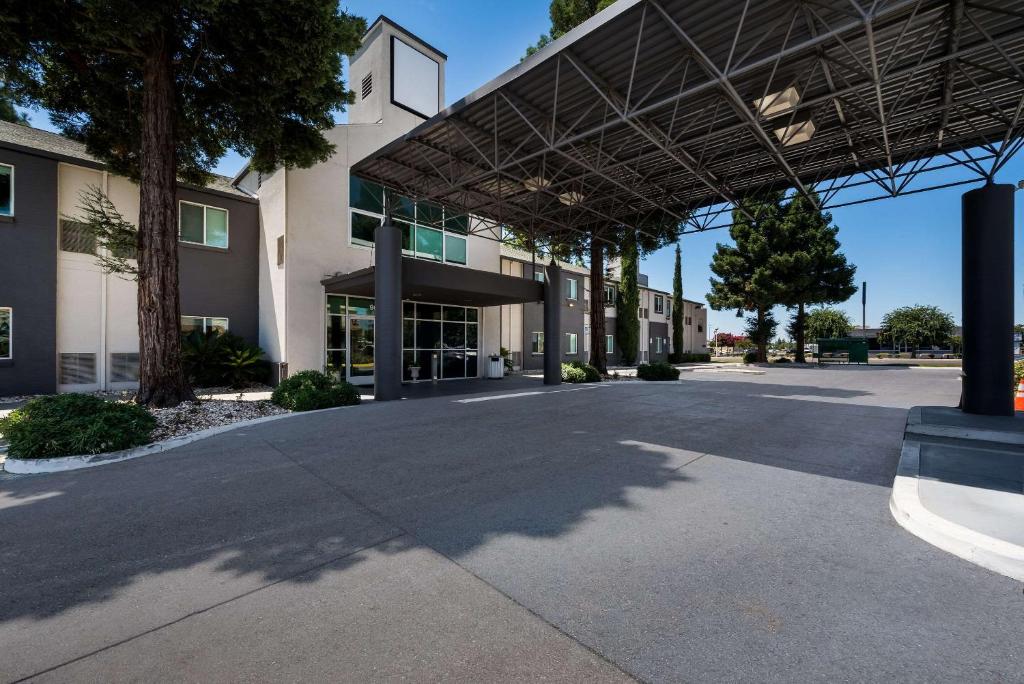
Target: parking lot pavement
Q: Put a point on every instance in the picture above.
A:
(721, 527)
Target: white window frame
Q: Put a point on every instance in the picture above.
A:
(536, 342)
(659, 304)
(538, 275)
(10, 342)
(609, 344)
(573, 342)
(11, 167)
(574, 289)
(207, 319)
(657, 345)
(204, 243)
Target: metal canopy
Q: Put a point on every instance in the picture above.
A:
(427, 281)
(650, 109)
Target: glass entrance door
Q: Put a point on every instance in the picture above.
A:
(360, 344)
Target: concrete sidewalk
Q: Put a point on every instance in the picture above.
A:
(960, 485)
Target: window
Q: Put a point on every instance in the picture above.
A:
(659, 304)
(203, 324)
(537, 347)
(609, 344)
(572, 340)
(6, 333)
(609, 295)
(367, 85)
(538, 275)
(571, 288)
(124, 367)
(700, 328)
(200, 224)
(657, 345)
(429, 231)
(689, 320)
(6, 190)
(77, 369)
(75, 236)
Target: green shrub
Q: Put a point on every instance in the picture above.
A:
(214, 358)
(658, 370)
(782, 359)
(750, 357)
(589, 371)
(1018, 373)
(573, 374)
(310, 390)
(73, 424)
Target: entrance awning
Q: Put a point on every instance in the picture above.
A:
(428, 281)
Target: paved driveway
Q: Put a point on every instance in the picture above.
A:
(725, 527)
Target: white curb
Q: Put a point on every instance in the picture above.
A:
(36, 466)
(906, 507)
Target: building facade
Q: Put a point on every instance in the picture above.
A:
(292, 260)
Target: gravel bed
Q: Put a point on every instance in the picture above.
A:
(193, 416)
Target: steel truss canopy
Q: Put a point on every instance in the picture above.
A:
(676, 109)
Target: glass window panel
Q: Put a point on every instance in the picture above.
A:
(471, 315)
(406, 229)
(428, 335)
(429, 214)
(5, 333)
(218, 324)
(6, 195)
(365, 195)
(336, 360)
(360, 307)
(472, 336)
(335, 332)
(454, 313)
(191, 324)
(428, 312)
(363, 228)
(538, 275)
(190, 223)
(335, 304)
(408, 309)
(216, 227)
(404, 208)
(454, 335)
(425, 360)
(454, 364)
(455, 249)
(471, 365)
(456, 223)
(538, 343)
(429, 243)
(408, 334)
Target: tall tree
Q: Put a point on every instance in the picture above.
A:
(825, 322)
(161, 91)
(7, 110)
(917, 326)
(627, 323)
(677, 307)
(812, 268)
(748, 278)
(565, 16)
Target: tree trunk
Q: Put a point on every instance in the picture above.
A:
(762, 343)
(800, 316)
(598, 346)
(161, 379)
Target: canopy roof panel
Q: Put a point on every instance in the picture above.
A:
(658, 108)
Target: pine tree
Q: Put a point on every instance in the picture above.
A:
(160, 91)
(749, 279)
(677, 308)
(812, 268)
(627, 323)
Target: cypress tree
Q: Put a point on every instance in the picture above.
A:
(627, 323)
(677, 308)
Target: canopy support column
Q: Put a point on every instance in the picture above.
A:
(387, 285)
(988, 300)
(553, 324)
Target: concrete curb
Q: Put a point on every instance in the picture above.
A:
(38, 466)
(916, 427)
(906, 507)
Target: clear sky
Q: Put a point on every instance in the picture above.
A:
(908, 249)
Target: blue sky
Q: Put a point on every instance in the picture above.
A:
(908, 248)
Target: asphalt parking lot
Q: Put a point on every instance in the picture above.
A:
(728, 526)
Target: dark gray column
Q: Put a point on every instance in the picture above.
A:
(553, 324)
(988, 300)
(387, 286)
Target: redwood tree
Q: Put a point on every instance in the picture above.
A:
(160, 91)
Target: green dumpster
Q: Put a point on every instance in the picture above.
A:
(842, 350)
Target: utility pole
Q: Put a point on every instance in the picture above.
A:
(864, 310)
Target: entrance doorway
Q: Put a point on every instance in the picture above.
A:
(360, 344)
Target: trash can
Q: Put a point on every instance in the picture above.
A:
(496, 368)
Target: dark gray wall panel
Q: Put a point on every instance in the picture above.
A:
(658, 330)
(572, 320)
(28, 275)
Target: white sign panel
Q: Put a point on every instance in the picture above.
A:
(414, 79)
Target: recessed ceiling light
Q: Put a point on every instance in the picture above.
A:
(535, 183)
(796, 132)
(570, 198)
(775, 104)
